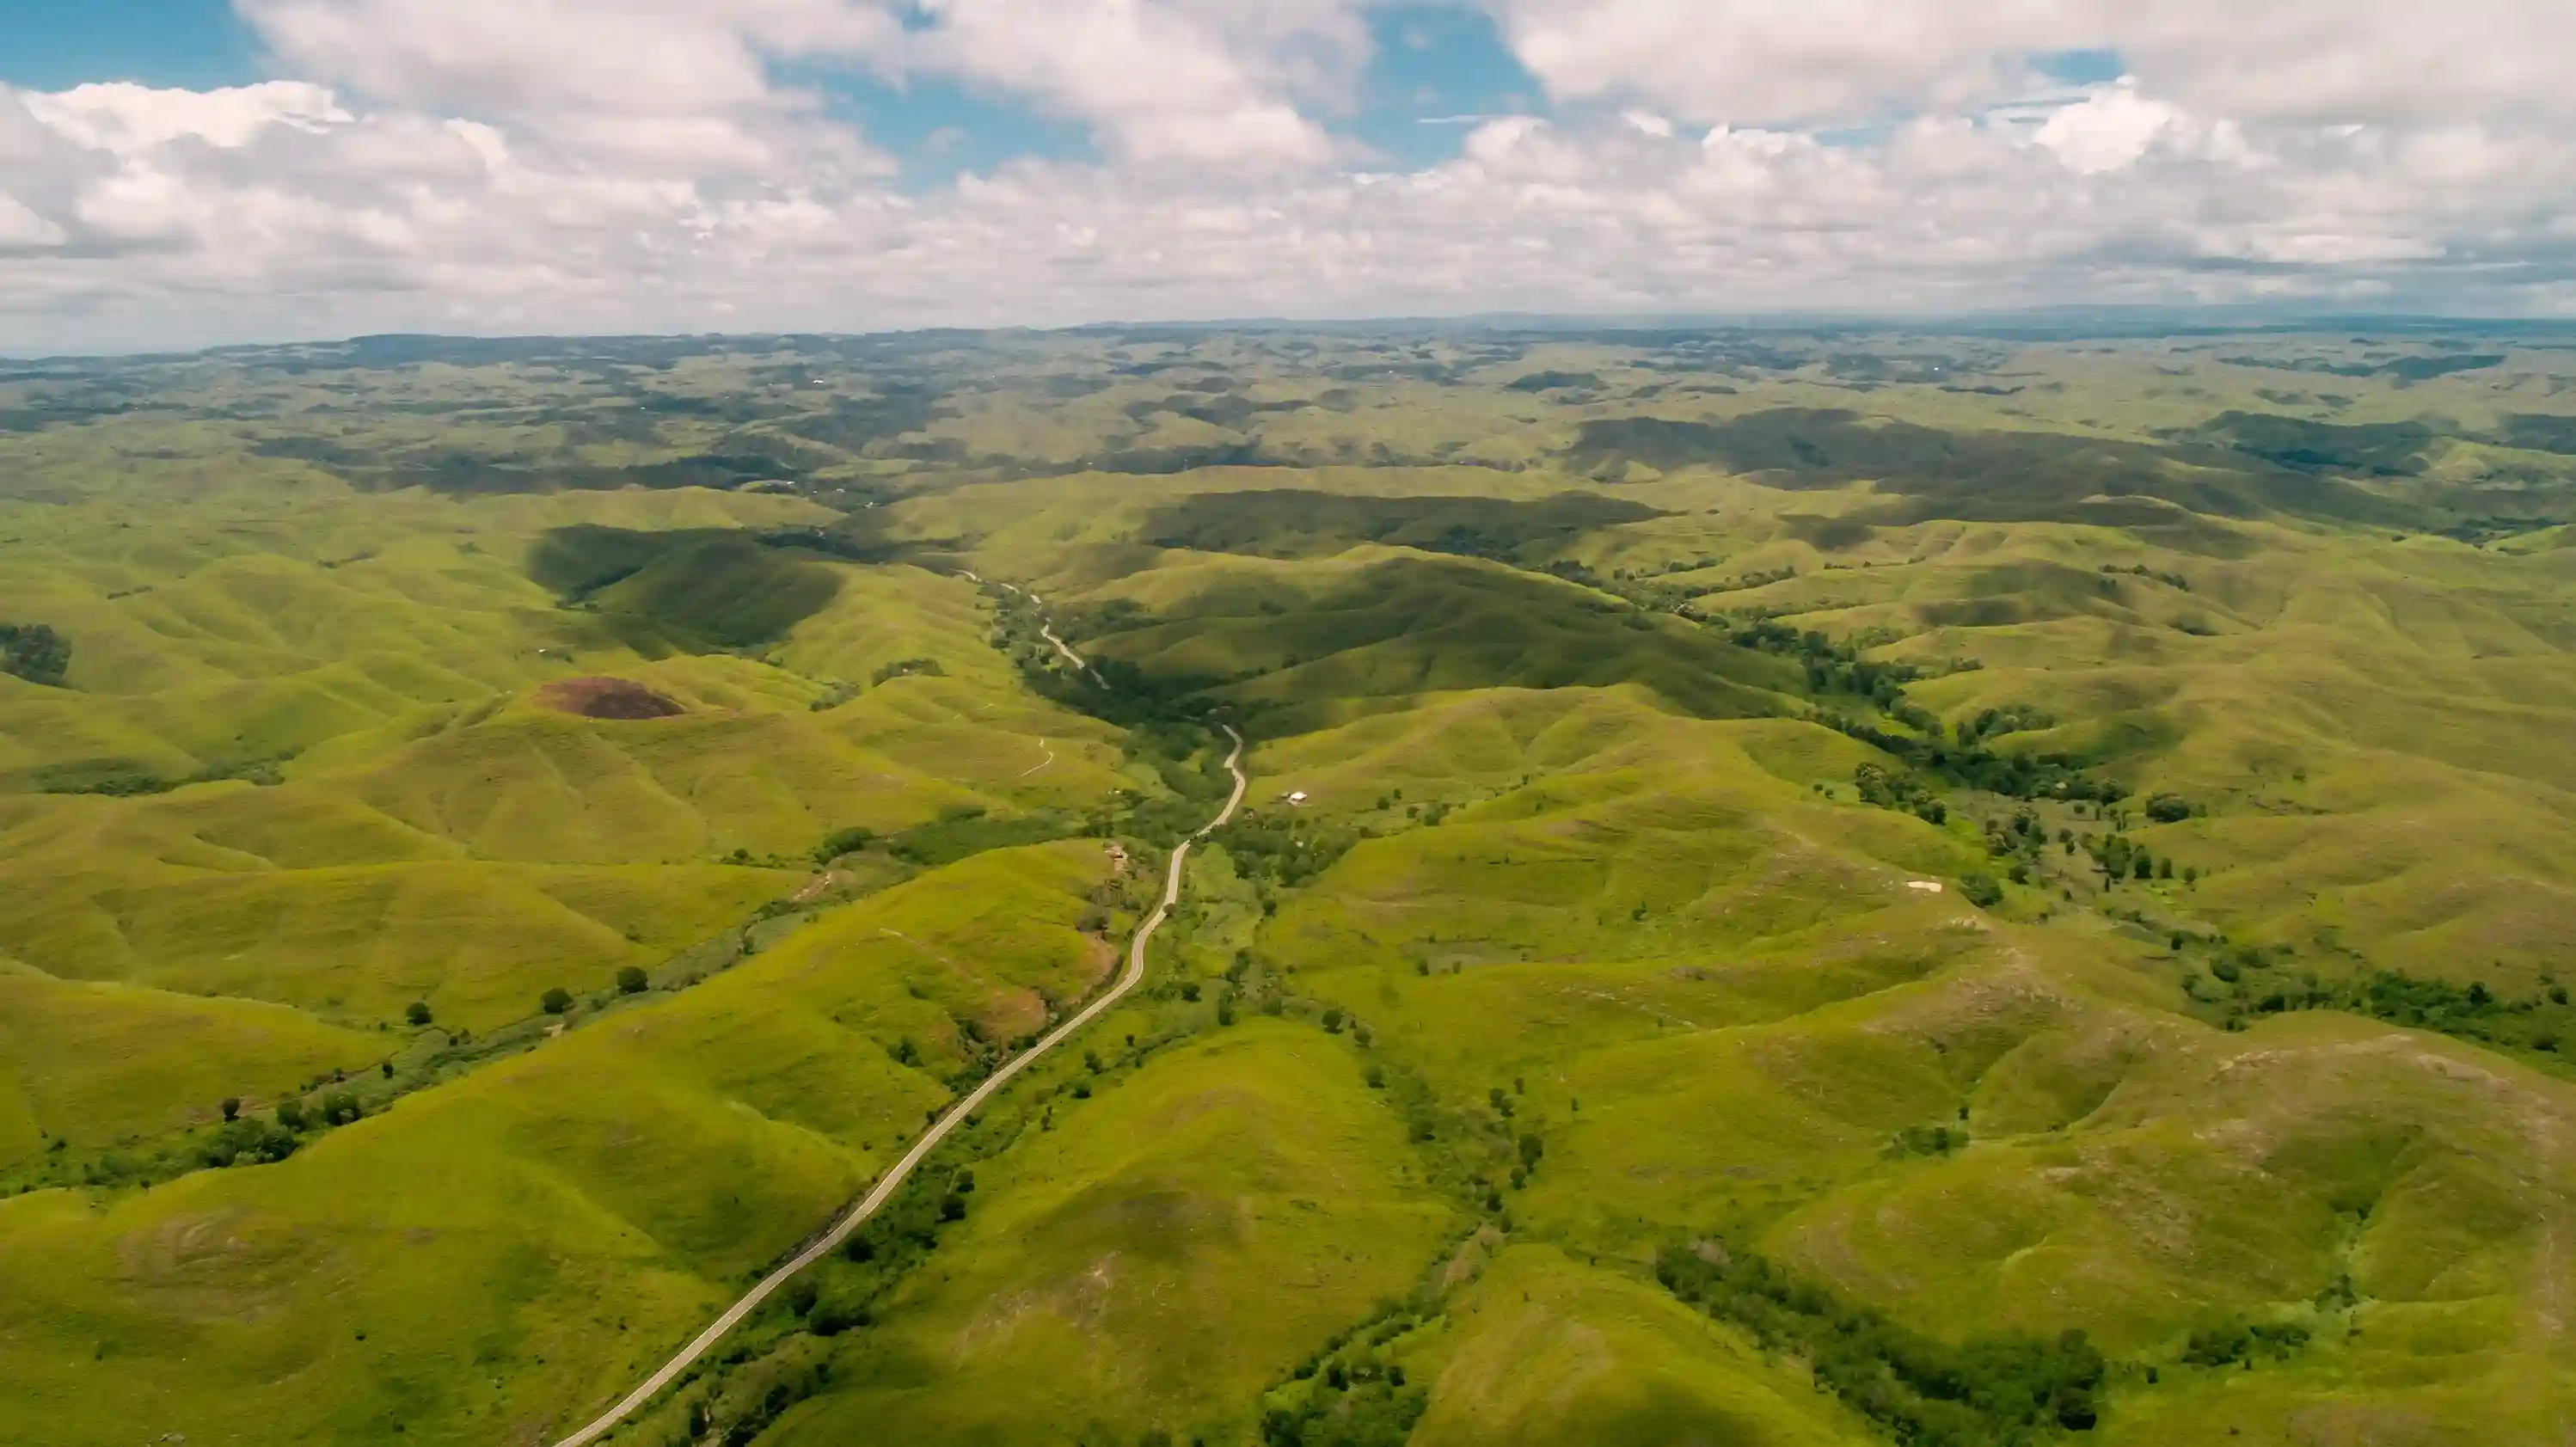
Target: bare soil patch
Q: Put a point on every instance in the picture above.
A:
(606, 698)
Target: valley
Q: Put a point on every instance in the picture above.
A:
(1992, 886)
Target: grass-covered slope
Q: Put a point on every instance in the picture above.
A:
(1798, 889)
(496, 1254)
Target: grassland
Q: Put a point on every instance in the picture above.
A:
(1681, 973)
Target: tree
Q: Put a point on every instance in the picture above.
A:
(340, 1108)
(1332, 1022)
(232, 1109)
(1531, 1149)
(35, 652)
(1190, 991)
(556, 1001)
(290, 1113)
(1981, 890)
(631, 980)
(2168, 808)
(417, 1014)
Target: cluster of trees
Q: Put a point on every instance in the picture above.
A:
(1902, 792)
(2010, 719)
(35, 652)
(1353, 1399)
(2541, 1022)
(1928, 1140)
(1972, 765)
(1992, 1391)
(2116, 857)
(1839, 668)
(1364, 1407)
(2233, 1342)
(1286, 848)
(245, 1141)
(2171, 580)
(908, 668)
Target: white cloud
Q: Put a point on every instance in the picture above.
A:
(1191, 82)
(1827, 61)
(2108, 129)
(122, 118)
(568, 165)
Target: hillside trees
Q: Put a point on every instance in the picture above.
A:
(35, 652)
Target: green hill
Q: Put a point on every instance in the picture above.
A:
(1797, 888)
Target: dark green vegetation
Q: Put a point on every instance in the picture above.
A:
(701, 589)
(34, 652)
(1799, 889)
(1302, 524)
(1984, 1391)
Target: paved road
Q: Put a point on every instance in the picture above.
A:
(903, 1169)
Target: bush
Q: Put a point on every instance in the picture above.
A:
(831, 1318)
(1995, 1391)
(249, 1143)
(631, 981)
(843, 841)
(556, 1001)
(35, 652)
(2168, 808)
(341, 1108)
(1981, 890)
(417, 1014)
(290, 1114)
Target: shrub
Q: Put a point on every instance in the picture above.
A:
(631, 980)
(417, 1014)
(35, 652)
(1981, 890)
(2168, 808)
(556, 1001)
(842, 841)
(831, 1318)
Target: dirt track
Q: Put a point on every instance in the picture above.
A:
(893, 1180)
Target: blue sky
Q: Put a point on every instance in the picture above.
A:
(56, 44)
(1434, 69)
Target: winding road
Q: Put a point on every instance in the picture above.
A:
(892, 1180)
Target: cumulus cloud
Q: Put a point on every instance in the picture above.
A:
(569, 165)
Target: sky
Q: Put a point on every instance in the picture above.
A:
(181, 173)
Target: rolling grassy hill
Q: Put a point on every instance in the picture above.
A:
(1787, 876)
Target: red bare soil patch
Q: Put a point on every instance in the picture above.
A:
(606, 698)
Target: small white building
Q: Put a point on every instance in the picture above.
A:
(1297, 798)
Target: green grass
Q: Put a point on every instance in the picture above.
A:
(1168, 1248)
(1542, 1349)
(1595, 947)
(502, 1251)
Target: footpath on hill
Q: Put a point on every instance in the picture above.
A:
(939, 1131)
